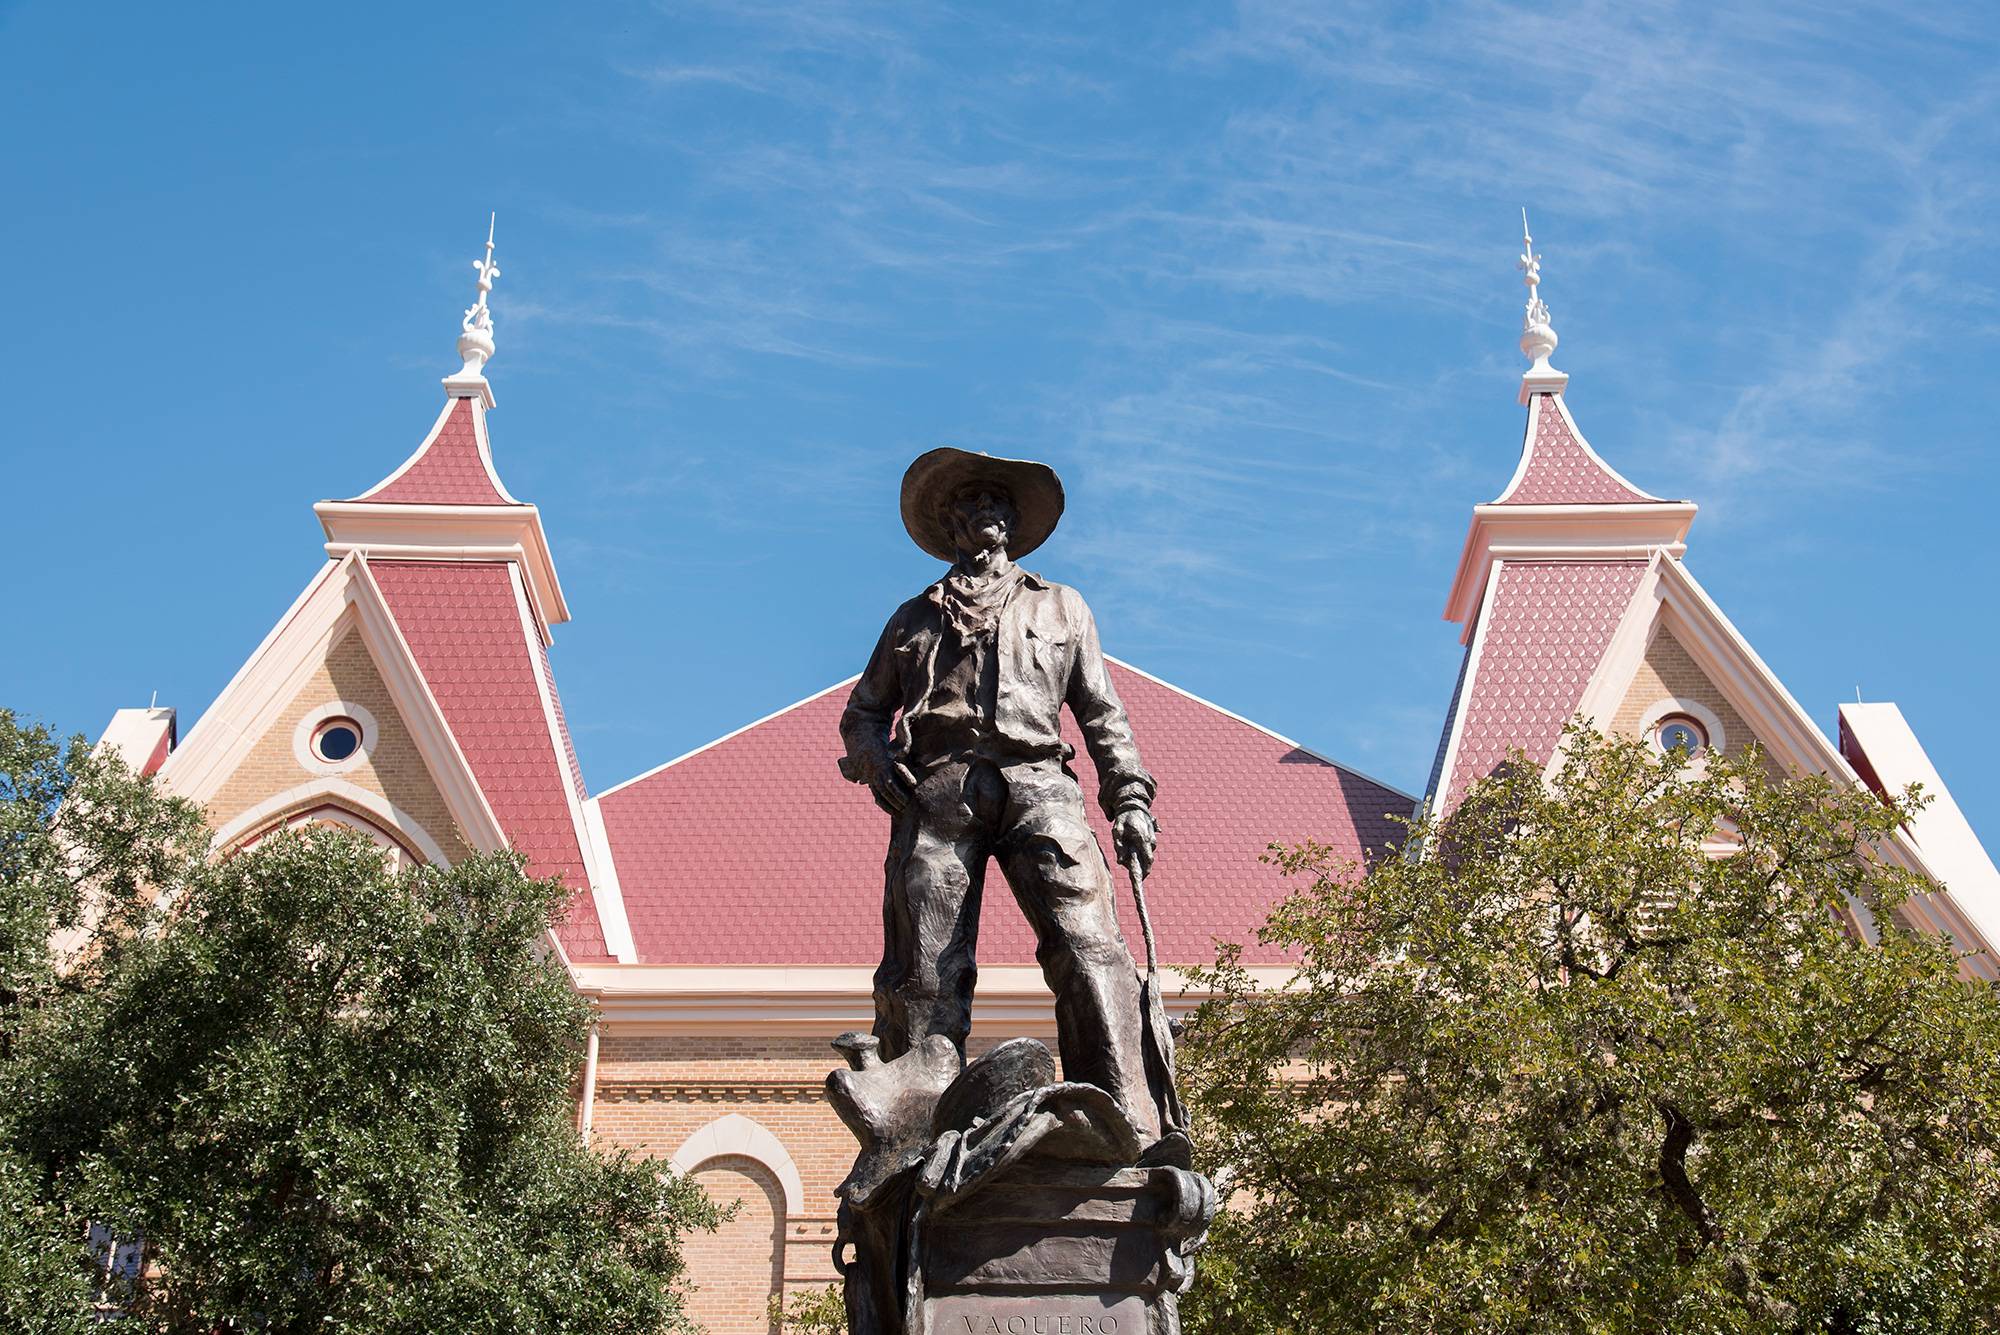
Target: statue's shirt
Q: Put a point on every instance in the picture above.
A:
(973, 669)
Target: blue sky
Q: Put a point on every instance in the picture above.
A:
(1243, 275)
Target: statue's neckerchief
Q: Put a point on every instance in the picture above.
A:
(972, 603)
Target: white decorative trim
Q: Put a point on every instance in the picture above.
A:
(1626, 531)
(819, 1000)
(606, 890)
(1718, 737)
(385, 531)
(1611, 680)
(392, 818)
(213, 719)
(1885, 738)
(579, 827)
(1527, 450)
(302, 737)
(1476, 629)
(737, 1135)
(1793, 741)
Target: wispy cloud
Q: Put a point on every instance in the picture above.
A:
(1245, 278)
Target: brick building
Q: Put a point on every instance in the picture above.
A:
(407, 693)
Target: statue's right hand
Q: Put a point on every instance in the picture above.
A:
(891, 786)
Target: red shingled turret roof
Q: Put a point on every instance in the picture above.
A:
(1558, 467)
(753, 850)
(453, 465)
(1548, 572)
(479, 653)
(1545, 633)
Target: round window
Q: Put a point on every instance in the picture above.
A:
(1677, 732)
(336, 740)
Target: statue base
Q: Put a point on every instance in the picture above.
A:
(1052, 1249)
(993, 1199)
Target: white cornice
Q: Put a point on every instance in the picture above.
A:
(1561, 533)
(385, 531)
(821, 1000)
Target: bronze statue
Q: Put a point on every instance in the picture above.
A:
(979, 667)
(1088, 1212)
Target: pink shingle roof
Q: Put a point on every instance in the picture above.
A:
(447, 470)
(1561, 470)
(1546, 632)
(464, 624)
(755, 851)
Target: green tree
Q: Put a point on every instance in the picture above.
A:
(327, 1095)
(1574, 1071)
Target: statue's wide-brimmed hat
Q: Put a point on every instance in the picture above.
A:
(936, 477)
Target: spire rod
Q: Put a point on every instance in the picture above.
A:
(1538, 335)
(475, 339)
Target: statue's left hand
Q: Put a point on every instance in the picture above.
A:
(1136, 837)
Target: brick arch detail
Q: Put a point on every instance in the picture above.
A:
(392, 820)
(736, 1134)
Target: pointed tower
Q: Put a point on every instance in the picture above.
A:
(408, 692)
(1575, 603)
(1549, 568)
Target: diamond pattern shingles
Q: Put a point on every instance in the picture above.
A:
(1550, 624)
(463, 622)
(755, 851)
(1561, 471)
(449, 472)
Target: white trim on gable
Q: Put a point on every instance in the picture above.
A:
(604, 893)
(1527, 449)
(606, 889)
(1465, 690)
(1605, 689)
(390, 532)
(212, 719)
(486, 450)
(1672, 599)
(392, 818)
(1890, 746)
(342, 600)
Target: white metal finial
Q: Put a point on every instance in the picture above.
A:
(475, 339)
(1538, 334)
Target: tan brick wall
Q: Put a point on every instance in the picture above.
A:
(655, 1092)
(1668, 671)
(736, 1268)
(394, 769)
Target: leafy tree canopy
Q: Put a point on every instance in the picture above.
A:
(1577, 1070)
(327, 1095)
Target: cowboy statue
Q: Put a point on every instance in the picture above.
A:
(979, 666)
(956, 729)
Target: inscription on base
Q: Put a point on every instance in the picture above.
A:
(976, 1314)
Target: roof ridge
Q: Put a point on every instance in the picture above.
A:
(1272, 733)
(727, 736)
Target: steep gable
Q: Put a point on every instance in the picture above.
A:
(278, 775)
(1669, 680)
